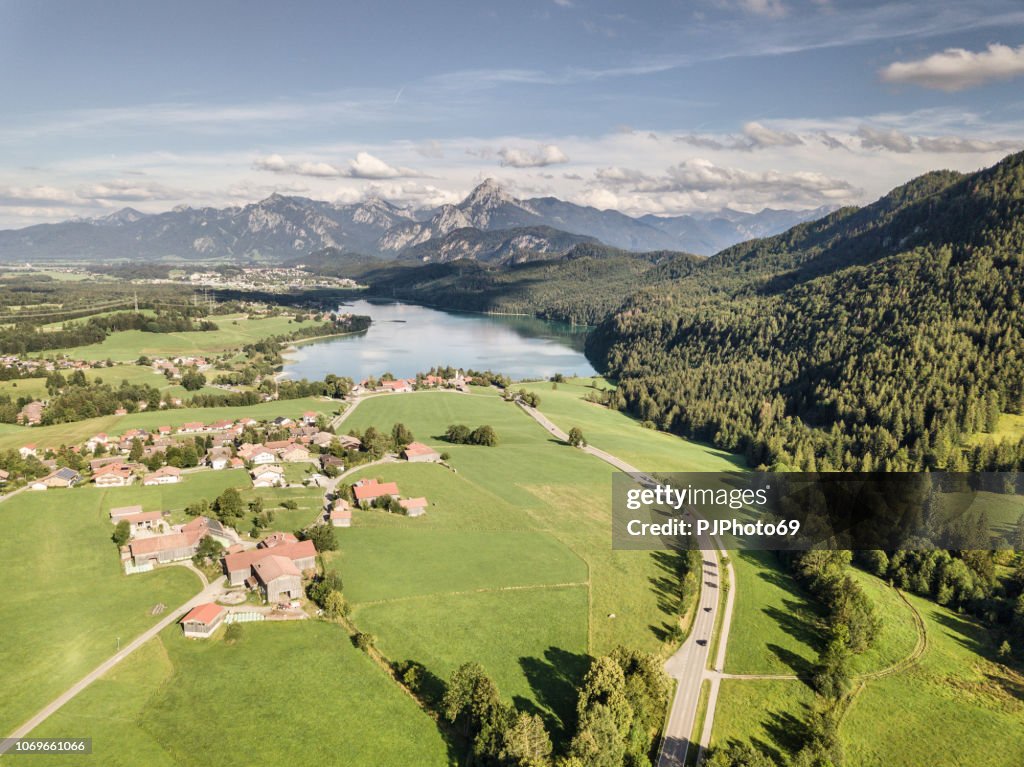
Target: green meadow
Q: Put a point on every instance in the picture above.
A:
(775, 624)
(133, 374)
(514, 547)
(956, 682)
(299, 690)
(768, 713)
(67, 602)
(233, 330)
(621, 435)
(956, 700)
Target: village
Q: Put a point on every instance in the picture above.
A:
(266, 575)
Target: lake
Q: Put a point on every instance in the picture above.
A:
(406, 339)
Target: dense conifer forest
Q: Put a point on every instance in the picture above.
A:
(874, 339)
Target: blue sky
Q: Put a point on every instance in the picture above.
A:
(662, 107)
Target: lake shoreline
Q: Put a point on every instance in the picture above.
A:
(406, 337)
(453, 310)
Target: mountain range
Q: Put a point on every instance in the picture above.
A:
(281, 228)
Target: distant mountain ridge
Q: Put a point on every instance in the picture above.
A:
(284, 227)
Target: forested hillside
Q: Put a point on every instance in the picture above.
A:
(584, 285)
(875, 338)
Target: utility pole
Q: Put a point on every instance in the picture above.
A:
(136, 300)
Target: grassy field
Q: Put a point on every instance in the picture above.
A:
(618, 433)
(955, 707)
(292, 693)
(234, 330)
(774, 626)
(66, 601)
(173, 498)
(778, 629)
(1010, 427)
(768, 713)
(971, 707)
(510, 523)
(133, 374)
(537, 662)
(898, 634)
(79, 431)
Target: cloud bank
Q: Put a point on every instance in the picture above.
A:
(956, 69)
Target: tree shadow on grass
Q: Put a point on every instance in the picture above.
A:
(787, 731)
(799, 622)
(964, 631)
(800, 666)
(555, 680)
(430, 689)
(667, 587)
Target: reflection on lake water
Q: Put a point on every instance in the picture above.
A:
(406, 339)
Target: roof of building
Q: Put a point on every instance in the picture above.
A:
(245, 559)
(122, 511)
(267, 468)
(375, 490)
(204, 525)
(205, 613)
(273, 567)
(166, 471)
(413, 503)
(145, 516)
(163, 542)
(277, 539)
(117, 469)
(65, 474)
(418, 448)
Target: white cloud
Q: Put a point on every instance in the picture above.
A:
(36, 195)
(700, 183)
(544, 155)
(882, 138)
(364, 166)
(955, 69)
(760, 136)
(754, 136)
(895, 140)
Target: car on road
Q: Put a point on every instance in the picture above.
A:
(702, 642)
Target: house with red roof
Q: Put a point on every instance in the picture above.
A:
(113, 475)
(369, 490)
(165, 475)
(417, 452)
(276, 539)
(238, 567)
(414, 507)
(340, 514)
(203, 620)
(277, 576)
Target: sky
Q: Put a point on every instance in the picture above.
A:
(645, 107)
